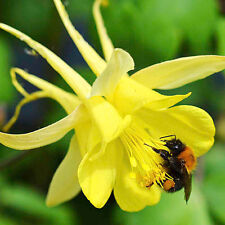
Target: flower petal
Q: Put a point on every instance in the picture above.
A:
(106, 42)
(67, 100)
(82, 133)
(106, 118)
(64, 184)
(88, 136)
(43, 136)
(130, 96)
(77, 83)
(178, 72)
(120, 63)
(129, 195)
(95, 62)
(97, 176)
(192, 125)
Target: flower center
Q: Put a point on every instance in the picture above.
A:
(146, 165)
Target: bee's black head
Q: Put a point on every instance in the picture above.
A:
(175, 146)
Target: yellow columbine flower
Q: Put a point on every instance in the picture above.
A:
(114, 119)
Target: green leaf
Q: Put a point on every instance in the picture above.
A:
(171, 210)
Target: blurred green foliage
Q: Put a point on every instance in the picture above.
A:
(162, 29)
(21, 203)
(7, 91)
(151, 31)
(33, 16)
(221, 36)
(214, 182)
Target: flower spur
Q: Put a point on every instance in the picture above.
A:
(114, 119)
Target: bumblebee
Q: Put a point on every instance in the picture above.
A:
(179, 163)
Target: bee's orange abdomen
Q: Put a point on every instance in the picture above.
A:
(189, 158)
(168, 184)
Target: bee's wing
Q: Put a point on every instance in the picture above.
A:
(187, 185)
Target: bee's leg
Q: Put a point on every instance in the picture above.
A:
(163, 153)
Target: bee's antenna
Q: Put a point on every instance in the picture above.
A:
(172, 135)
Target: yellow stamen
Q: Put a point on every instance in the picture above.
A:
(145, 163)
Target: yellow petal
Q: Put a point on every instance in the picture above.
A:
(64, 184)
(106, 118)
(43, 136)
(29, 98)
(120, 63)
(130, 96)
(97, 177)
(106, 42)
(76, 82)
(164, 101)
(93, 139)
(95, 62)
(178, 72)
(67, 100)
(129, 195)
(192, 125)
(82, 133)
(88, 136)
